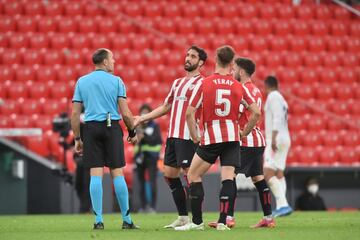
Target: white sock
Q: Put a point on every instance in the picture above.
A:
(283, 184)
(278, 192)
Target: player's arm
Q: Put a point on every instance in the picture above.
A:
(277, 114)
(128, 119)
(156, 113)
(194, 103)
(75, 119)
(255, 115)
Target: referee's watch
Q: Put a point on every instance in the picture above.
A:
(77, 138)
(132, 133)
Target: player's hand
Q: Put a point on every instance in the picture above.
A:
(79, 147)
(274, 145)
(241, 133)
(133, 140)
(137, 121)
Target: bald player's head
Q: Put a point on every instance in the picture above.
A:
(103, 59)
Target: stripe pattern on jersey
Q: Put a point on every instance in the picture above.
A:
(179, 97)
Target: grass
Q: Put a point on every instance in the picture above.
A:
(300, 226)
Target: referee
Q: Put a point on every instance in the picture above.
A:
(102, 94)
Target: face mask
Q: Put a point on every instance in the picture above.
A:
(313, 189)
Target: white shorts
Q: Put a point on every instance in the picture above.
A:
(276, 160)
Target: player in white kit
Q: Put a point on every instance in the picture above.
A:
(277, 145)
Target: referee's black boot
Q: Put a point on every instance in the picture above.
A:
(98, 226)
(129, 225)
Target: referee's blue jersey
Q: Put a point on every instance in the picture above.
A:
(99, 92)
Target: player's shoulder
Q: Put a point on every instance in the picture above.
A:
(252, 88)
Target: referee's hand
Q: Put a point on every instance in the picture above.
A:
(79, 147)
(133, 140)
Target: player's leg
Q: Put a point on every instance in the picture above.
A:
(94, 160)
(229, 159)
(115, 160)
(280, 160)
(172, 169)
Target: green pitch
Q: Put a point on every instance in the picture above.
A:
(300, 226)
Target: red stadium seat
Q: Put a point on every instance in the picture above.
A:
(330, 60)
(262, 28)
(301, 28)
(38, 90)
(353, 44)
(45, 74)
(13, 8)
(278, 44)
(60, 90)
(319, 28)
(297, 124)
(126, 26)
(22, 121)
(66, 74)
(297, 138)
(93, 10)
(176, 59)
(73, 57)
(335, 44)
(243, 27)
(331, 139)
(133, 10)
(121, 42)
(171, 10)
(87, 24)
(292, 60)
(25, 73)
(282, 28)
(306, 91)
(30, 106)
(348, 156)
(350, 60)
(148, 75)
(37, 144)
(53, 107)
(18, 41)
(135, 58)
(224, 27)
(47, 24)
(35, 8)
(26, 24)
(80, 41)
(351, 139)
(323, 12)
(228, 11)
(209, 11)
(347, 75)
(289, 76)
(248, 11)
(74, 9)
(44, 122)
(285, 12)
(107, 25)
(59, 41)
(305, 12)
(342, 14)
(268, 12)
(6, 74)
(17, 90)
(10, 106)
(204, 28)
(130, 75)
(316, 44)
(344, 92)
(4, 41)
(258, 44)
(308, 155)
(355, 29)
(312, 139)
(154, 10)
(5, 121)
(7, 24)
(154, 59)
(239, 44)
(339, 108)
(273, 60)
(324, 92)
(335, 125)
(339, 29)
(298, 44)
(312, 60)
(32, 57)
(54, 9)
(161, 43)
(38, 41)
(67, 24)
(328, 76)
(328, 156)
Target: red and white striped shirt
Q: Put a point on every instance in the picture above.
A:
(219, 97)
(178, 97)
(255, 138)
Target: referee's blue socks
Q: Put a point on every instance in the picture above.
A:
(96, 194)
(122, 196)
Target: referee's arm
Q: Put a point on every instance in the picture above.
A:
(126, 113)
(75, 118)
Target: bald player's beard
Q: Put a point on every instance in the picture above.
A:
(191, 68)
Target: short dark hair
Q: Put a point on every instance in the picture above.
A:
(225, 55)
(200, 51)
(272, 82)
(99, 56)
(145, 106)
(247, 64)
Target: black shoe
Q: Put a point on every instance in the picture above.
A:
(99, 226)
(129, 226)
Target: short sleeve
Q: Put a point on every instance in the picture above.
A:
(121, 89)
(170, 97)
(77, 94)
(197, 96)
(248, 97)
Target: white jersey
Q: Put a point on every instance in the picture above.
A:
(276, 117)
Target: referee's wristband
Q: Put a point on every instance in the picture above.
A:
(77, 138)
(132, 133)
